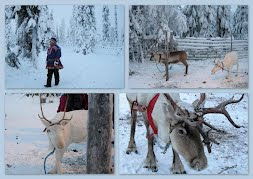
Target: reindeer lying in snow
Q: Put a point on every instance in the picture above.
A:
(228, 62)
(64, 129)
(174, 57)
(175, 122)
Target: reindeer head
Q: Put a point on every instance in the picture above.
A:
(184, 135)
(155, 56)
(218, 66)
(56, 130)
(186, 129)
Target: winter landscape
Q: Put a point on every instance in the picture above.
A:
(205, 32)
(229, 157)
(91, 38)
(26, 145)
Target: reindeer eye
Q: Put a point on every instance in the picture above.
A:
(182, 131)
(48, 131)
(178, 114)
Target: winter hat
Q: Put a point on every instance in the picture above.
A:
(53, 39)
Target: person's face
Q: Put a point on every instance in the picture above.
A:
(52, 43)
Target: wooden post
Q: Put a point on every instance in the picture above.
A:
(231, 42)
(167, 56)
(99, 146)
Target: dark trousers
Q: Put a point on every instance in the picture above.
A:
(50, 73)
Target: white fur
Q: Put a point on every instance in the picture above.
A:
(61, 136)
(229, 61)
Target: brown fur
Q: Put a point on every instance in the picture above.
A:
(174, 57)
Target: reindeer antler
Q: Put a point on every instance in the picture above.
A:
(219, 109)
(191, 122)
(65, 108)
(43, 117)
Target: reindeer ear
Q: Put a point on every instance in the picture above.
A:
(168, 109)
(45, 122)
(64, 122)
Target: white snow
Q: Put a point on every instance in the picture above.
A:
(230, 157)
(80, 71)
(151, 75)
(26, 145)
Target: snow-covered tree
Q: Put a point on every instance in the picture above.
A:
(62, 32)
(85, 28)
(106, 23)
(148, 21)
(45, 27)
(26, 19)
(241, 22)
(224, 21)
(32, 30)
(116, 23)
(201, 20)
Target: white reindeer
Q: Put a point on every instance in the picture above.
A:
(64, 129)
(228, 62)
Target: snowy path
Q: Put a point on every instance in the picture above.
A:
(90, 71)
(148, 75)
(232, 151)
(25, 143)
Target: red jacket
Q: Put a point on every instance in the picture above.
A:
(71, 106)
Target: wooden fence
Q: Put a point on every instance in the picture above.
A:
(203, 48)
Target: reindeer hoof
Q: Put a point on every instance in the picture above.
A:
(53, 171)
(151, 164)
(129, 150)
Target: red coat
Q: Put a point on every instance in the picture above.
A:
(71, 106)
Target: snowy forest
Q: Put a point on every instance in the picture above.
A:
(84, 33)
(205, 32)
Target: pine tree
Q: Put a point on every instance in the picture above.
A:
(85, 28)
(62, 32)
(224, 21)
(116, 24)
(106, 24)
(45, 26)
(201, 20)
(240, 23)
(26, 18)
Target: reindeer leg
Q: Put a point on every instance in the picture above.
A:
(229, 72)
(150, 161)
(237, 68)
(177, 166)
(131, 145)
(186, 67)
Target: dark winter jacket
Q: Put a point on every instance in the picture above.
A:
(53, 58)
(75, 102)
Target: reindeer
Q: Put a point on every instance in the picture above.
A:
(174, 57)
(64, 129)
(177, 123)
(227, 64)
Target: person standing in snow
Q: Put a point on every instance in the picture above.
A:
(53, 62)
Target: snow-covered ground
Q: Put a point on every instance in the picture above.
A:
(26, 145)
(151, 75)
(101, 70)
(230, 157)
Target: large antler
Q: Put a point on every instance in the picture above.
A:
(219, 109)
(43, 117)
(192, 122)
(65, 108)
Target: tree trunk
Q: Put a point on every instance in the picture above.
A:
(99, 145)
